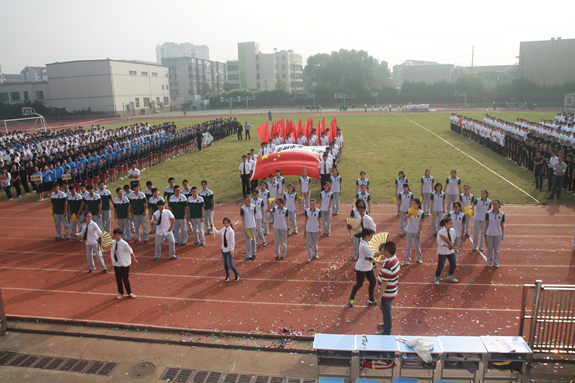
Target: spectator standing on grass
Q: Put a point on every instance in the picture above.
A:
(24, 179)
(270, 115)
(559, 169)
(364, 267)
(445, 250)
(228, 244)
(387, 281)
(15, 176)
(247, 127)
(482, 205)
(122, 255)
(240, 130)
(494, 231)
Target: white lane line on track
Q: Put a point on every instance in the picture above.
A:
(456, 148)
(285, 304)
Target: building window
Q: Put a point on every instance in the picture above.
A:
(157, 100)
(4, 97)
(154, 74)
(233, 77)
(283, 75)
(39, 95)
(283, 57)
(283, 66)
(162, 87)
(257, 57)
(146, 102)
(258, 76)
(133, 73)
(257, 66)
(233, 68)
(166, 101)
(166, 87)
(137, 102)
(26, 98)
(259, 85)
(144, 73)
(14, 96)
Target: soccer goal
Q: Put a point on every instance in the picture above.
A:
(33, 123)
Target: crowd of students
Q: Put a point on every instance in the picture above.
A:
(545, 149)
(33, 162)
(412, 108)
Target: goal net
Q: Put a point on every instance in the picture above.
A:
(32, 124)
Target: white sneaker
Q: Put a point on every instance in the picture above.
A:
(119, 296)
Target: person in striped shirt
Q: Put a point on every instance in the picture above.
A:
(387, 285)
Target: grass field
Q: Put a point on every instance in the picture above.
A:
(379, 144)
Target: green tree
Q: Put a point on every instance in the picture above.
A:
(206, 89)
(226, 87)
(472, 86)
(280, 85)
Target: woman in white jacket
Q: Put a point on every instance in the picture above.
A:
(364, 267)
(445, 250)
(228, 243)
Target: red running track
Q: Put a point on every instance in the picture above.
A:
(44, 278)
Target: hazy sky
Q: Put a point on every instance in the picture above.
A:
(38, 32)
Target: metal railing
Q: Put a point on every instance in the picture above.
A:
(3, 324)
(550, 310)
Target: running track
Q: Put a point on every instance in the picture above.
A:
(44, 278)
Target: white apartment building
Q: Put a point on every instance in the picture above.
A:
(168, 50)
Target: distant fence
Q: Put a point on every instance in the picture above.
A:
(550, 310)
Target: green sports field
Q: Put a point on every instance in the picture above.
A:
(379, 144)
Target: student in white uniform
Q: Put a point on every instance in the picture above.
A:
(280, 182)
(312, 228)
(459, 224)
(399, 181)
(466, 198)
(336, 190)
(365, 220)
(122, 255)
(494, 232)
(403, 205)
(364, 267)
(228, 244)
(273, 191)
(264, 195)
(260, 212)
(91, 234)
(304, 188)
(414, 229)
(248, 214)
(164, 220)
(437, 207)
(452, 189)
(290, 198)
(426, 189)
(482, 206)
(325, 207)
(361, 181)
(444, 250)
(280, 214)
(364, 195)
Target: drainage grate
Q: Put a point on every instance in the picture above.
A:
(142, 370)
(60, 364)
(244, 379)
(200, 376)
(172, 374)
(213, 377)
(184, 375)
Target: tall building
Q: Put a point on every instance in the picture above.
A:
(189, 75)
(255, 70)
(548, 62)
(428, 72)
(168, 50)
(398, 75)
(34, 73)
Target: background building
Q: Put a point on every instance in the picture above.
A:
(494, 74)
(255, 70)
(194, 77)
(398, 70)
(108, 85)
(167, 50)
(548, 62)
(34, 73)
(18, 92)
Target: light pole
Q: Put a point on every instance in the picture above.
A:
(343, 97)
(246, 100)
(464, 95)
(376, 95)
(231, 99)
(312, 96)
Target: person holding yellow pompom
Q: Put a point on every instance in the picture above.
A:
(415, 218)
(248, 214)
(75, 207)
(280, 214)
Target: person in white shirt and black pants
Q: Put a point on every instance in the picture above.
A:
(91, 235)
(324, 169)
(445, 250)
(245, 172)
(228, 244)
(164, 221)
(122, 255)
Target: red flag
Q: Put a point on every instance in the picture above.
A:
(281, 128)
(297, 130)
(332, 129)
(290, 127)
(290, 162)
(307, 128)
(321, 127)
(264, 132)
(274, 129)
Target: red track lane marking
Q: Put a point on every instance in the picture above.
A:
(251, 303)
